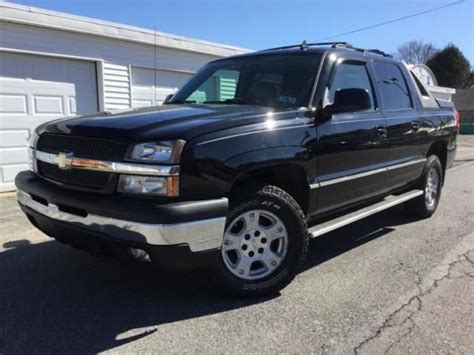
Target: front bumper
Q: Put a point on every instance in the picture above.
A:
(197, 225)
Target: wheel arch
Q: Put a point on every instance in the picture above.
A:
(440, 149)
(290, 177)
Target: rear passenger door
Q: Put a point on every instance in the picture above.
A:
(352, 147)
(405, 156)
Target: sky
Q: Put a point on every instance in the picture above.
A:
(259, 24)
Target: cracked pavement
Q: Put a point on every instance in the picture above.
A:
(388, 284)
(405, 329)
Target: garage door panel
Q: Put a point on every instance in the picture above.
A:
(14, 138)
(11, 67)
(34, 90)
(164, 78)
(82, 75)
(72, 105)
(13, 103)
(144, 92)
(42, 70)
(9, 172)
(142, 103)
(48, 104)
(10, 156)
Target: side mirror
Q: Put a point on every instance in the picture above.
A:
(167, 99)
(349, 100)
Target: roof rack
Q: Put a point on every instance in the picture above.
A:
(304, 46)
(378, 51)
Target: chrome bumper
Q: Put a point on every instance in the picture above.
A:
(199, 235)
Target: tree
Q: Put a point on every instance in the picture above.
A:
(451, 68)
(416, 52)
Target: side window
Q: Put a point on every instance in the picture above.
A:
(393, 86)
(349, 75)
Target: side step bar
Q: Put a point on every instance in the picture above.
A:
(351, 217)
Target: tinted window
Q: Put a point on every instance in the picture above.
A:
(349, 75)
(281, 81)
(393, 86)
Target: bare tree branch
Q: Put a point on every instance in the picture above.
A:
(416, 52)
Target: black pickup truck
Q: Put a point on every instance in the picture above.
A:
(254, 156)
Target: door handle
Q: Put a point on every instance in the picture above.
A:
(381, 131)
(415, 126)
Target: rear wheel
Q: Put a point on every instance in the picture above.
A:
(431, 183)
(264, 244)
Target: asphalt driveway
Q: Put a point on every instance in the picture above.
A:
(386, 284)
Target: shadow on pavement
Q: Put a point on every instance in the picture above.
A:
(54, 299)
(332, 244)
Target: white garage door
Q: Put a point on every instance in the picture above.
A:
(143, 85)
(33, 90)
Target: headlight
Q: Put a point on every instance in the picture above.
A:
(33, 139)
(32, 160)
(150, 185)
(159, 152)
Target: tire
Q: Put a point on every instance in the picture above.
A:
(265, 242)
(431, 182)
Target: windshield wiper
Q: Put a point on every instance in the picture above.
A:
(178, 102)
(235, 101)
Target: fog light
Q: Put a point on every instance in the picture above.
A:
(150, 185)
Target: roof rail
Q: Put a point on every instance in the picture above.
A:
(378, 51)
(304, 46)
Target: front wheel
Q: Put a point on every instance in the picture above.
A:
(431, 182)
(264, 244)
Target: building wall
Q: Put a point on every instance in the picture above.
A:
(464, 103)
(127, 67)
(114, 56)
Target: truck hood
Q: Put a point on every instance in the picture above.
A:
(163, 122)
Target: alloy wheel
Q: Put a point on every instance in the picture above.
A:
(255, 244)
(432, 187)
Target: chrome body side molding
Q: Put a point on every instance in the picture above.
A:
(316, 185)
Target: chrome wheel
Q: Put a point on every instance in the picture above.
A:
(255, 244)
(432, 187)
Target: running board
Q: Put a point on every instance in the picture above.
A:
(352, 217)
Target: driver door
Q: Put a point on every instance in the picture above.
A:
(352, 146)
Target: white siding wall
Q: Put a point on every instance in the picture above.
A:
(110, 50)
(113, 59)
(144, 92)
(117, 56)
(116, 86)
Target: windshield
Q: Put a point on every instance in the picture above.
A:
(280, 81)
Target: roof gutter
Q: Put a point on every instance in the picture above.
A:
(31, 16)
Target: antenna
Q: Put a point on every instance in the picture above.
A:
(154, 66)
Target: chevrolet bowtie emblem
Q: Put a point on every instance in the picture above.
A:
(64, 160)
